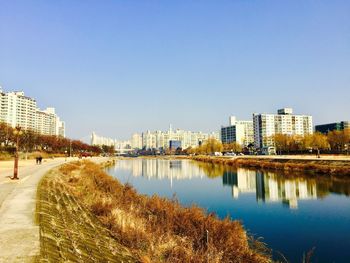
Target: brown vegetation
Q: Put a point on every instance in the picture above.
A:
(158, 229)
(297, 143)
(339, 168)
(208, 147)
(69, 232)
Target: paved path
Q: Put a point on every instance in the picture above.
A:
(19, 235)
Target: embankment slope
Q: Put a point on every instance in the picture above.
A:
(87, 215)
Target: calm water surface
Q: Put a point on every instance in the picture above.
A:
(293, 214)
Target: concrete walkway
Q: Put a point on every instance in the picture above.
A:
(19, 236)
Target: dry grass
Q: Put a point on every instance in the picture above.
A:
(4, 156)
(68, 231)
(158, 229)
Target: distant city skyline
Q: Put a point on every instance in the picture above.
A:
(119, 67)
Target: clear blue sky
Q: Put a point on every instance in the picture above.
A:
(118, 67)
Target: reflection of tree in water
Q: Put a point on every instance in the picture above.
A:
(213, 170)
(272, 186)
(332, 185)
(340, 187)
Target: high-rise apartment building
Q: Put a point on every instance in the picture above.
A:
(48, 123)
(284, 122)
(241, 132)
(136, 141)
(16, 109)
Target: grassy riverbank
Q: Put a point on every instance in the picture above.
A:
(85, 213)
(327, 167)
(69, 232)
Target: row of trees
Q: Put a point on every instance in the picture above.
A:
(335, 141)
(210, 146)
(30, 141)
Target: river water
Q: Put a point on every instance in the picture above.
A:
(293, 213)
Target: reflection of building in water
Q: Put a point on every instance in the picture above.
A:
(136, 168)
(242, 182)
(161, 169)
(270, 187)
(289, 190)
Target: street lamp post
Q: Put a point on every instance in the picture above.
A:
(17, 132)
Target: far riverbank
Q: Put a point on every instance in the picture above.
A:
(328, 165)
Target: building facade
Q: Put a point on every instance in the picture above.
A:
(136, 141)
(284, 122)
(48, 123)
(161, 140)
(16, 109)
(336, 126)
(241, 132)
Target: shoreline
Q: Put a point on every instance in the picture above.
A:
(305, 164)
(327, 165)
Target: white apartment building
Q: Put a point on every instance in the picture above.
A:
(18, 110)
(136, 141)
(61, 127)
(99, 140)
(160, 139)
(118, 145)
(156, 139)
(48, 123)
(241, 132)
(284, 122)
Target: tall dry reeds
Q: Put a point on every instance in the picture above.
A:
(158, 229)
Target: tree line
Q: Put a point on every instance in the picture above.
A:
(333, 142)
(30, 141)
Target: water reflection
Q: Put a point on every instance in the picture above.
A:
(267, 186)
(259, 199)
(270, 187)
(162, 169)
